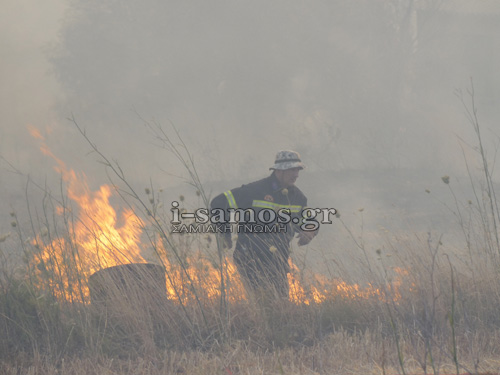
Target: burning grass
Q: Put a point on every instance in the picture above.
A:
(96, 240)
(421, 314)
(201, 309)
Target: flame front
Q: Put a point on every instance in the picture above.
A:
(202, 278)
(97, 239)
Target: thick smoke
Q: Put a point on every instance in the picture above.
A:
(365, 91)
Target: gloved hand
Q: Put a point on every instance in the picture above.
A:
(306, 236)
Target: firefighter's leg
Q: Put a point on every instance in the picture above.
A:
(249, 277)
(279, 281)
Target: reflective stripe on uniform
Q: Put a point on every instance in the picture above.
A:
(275, 206)
(230, 199)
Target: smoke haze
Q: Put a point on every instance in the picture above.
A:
(365, 91)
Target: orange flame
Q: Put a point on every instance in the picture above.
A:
(205, 279)
(98, 239)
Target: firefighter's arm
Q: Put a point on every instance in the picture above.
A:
(306, 236)
(221, 220)
(230, 199)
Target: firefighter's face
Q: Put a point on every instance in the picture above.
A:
(287, 177)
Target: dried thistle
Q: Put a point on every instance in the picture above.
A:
(4, 237)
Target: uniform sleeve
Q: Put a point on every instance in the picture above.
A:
(234, 198)
(220, 202)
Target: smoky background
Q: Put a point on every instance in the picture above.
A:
(364, 90)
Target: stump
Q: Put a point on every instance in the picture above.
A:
(142, 283)
(130, 302)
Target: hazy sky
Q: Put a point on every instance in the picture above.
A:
(362, 86)
(342, 83)
(29, 91)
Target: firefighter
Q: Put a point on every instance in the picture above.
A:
(262, 249)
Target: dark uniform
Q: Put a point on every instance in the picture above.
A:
(261, 252)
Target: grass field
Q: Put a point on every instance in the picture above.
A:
(75, 297)
(422, 310)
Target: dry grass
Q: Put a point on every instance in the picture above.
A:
(435, 309)
(339, 353)
(432, 314)
(338, 336)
